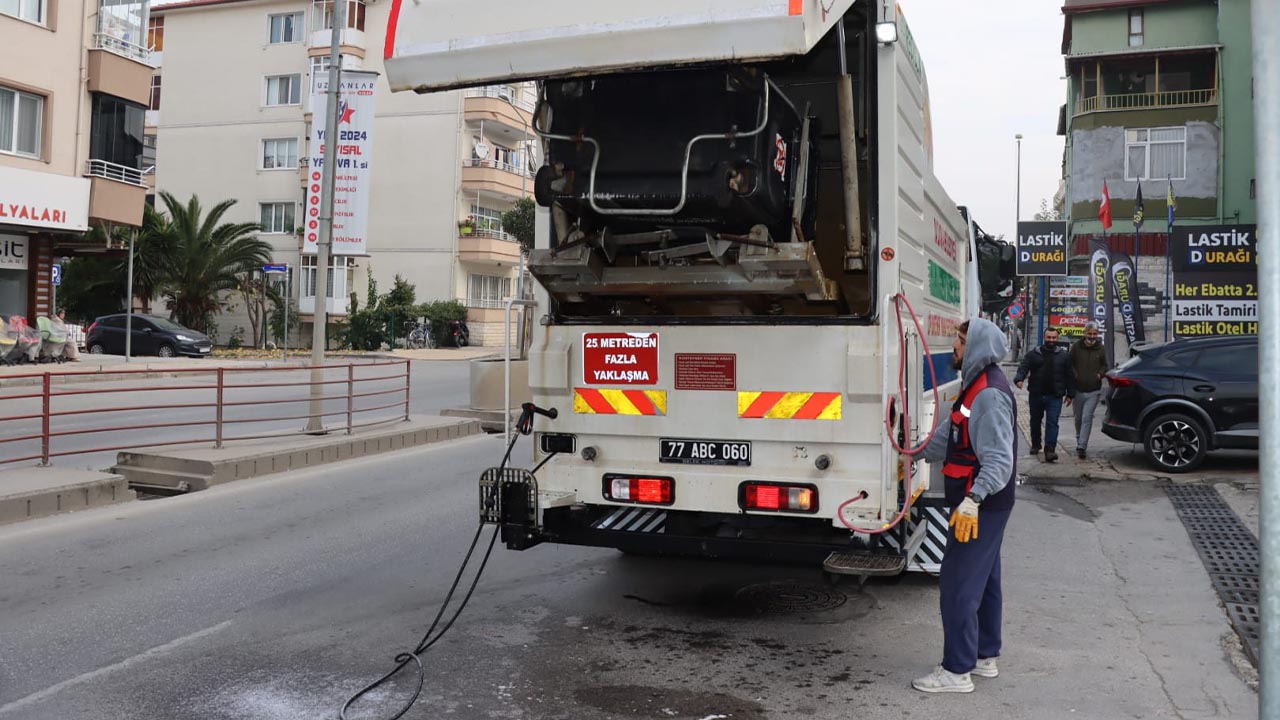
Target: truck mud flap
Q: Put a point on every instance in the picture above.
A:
(927, 534)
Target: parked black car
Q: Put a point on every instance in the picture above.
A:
(151, 336)
(1185, 398)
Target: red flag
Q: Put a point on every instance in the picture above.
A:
(1104, 210)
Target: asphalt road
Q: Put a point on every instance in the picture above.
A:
(275, 598)
(433, 386)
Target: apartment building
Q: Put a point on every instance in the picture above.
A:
(230, 115)
(1160, 93)
(73, 90)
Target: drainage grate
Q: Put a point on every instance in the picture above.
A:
(785, 597)
(1230, 554)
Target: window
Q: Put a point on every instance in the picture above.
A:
(123, 27)
(155, 93)
(116, 131)
(285, 28)
(277, 217)
(322, 14)
(284, 89)
(1228, 360)
(1155, 153)
(280, 154)
(155, 34)
(21, 122)
(30, 10)
(488, 290)
(487, 219)
(148, 151)
(1135, 27)
(340, 272)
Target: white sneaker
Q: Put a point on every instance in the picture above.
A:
(986, 668)
(942, 680)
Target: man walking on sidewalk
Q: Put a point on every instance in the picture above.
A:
(1089, 366)
(1049, 367)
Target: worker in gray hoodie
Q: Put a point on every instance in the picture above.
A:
(977, 447)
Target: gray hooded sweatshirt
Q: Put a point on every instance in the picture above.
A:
(991, 421)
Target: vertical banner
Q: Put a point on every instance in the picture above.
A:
(1124, 282)
(1100, 290)
(353, 158)
(1215, 280)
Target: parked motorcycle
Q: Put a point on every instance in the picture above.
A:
(459, 334)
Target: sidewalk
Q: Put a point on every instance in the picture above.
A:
(1234, 473)
(98, 367)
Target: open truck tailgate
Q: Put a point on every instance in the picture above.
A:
(441, 44)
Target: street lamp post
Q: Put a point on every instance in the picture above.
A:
(1017, 215)
(315, 420)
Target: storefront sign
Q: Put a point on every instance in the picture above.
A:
(353, 159)
(620, 358)
(1068, 305)
(1042, 248)
(13, 252)
(43, 200)
(1215, 281)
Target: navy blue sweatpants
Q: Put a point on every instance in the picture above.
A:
(970, 594)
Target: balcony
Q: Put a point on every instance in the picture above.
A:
(1147, 101)
(493, 176)
(116, 69)
(492, 247)
(117, 193)
(503, 104)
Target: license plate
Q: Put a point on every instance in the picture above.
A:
(206, 349)
(704, 452)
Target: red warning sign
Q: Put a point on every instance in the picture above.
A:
(620, 358)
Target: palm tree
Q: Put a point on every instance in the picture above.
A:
(204, 258)
(152, 251)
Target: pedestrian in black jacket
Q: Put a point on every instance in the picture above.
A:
(1052, 381)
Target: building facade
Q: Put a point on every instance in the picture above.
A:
(231, 118)
(1160, 94)
(71, 128)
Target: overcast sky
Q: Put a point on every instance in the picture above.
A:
(994, 70)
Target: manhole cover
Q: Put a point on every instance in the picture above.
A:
(786, 597)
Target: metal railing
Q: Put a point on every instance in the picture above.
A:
(1143, 101)
(219, 404)
(498, 165)
(480, 232)
(503, 92)
(133, 51)
(112, 171)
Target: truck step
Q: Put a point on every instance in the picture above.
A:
(864, 562)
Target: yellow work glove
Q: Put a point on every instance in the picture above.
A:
(965, 521)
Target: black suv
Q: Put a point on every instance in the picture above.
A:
(1185, 398)
(151, 336)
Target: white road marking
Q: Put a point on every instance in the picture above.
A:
(123, 664)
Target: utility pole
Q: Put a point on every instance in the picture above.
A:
(1266, 109)
(128, 301)
(315, 421)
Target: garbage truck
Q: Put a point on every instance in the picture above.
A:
(748, 276)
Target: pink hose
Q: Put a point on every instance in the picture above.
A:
(898, 301)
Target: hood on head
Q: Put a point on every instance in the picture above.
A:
(984, 344)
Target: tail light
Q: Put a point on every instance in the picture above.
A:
(778, 497)
(1121, 381)
(92, 325)
(638, 489)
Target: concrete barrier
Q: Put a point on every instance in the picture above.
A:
(32, 492)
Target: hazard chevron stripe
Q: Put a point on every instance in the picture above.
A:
(594, 401)
(790, 405)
